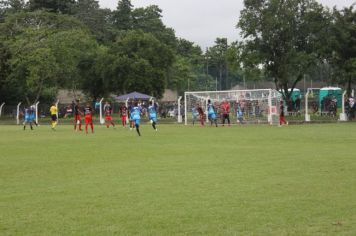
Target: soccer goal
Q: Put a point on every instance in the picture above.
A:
(258, 106)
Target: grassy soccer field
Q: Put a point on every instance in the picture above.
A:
(251, 180)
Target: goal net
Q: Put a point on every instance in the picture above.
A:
(260, 106)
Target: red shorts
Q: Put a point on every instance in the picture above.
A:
(108, 118)
(123, 118)
(88, 119)
(77, 117)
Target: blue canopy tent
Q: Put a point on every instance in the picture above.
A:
(133, 95)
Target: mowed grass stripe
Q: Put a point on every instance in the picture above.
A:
(253, 180)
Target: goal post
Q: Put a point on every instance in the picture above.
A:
(258, 105)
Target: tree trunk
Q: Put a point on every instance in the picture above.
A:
(349, 82)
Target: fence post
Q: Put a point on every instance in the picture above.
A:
(2, 105)
(36, 106)
(307, 116)
(180, 120)
(185, 109)
(57, 111)
(101, 111)
(18, 113)
(206, 109)
(270, 118)
(343, 116)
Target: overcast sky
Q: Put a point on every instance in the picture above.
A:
(202, 21)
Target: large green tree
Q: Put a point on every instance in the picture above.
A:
(218, 65)
(95, 18)
(344, 46)
(140, 62)
(149, 20)
(62, 6)
(285, 36)
(43, 51)
(122, 17)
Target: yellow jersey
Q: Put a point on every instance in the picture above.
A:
(53, 110)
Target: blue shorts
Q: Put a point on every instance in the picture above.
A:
(153, 118)
(211, 116)
(137, 122)
(29, 119)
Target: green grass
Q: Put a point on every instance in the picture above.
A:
(250, 180)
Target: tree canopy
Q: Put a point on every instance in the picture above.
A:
(77, 45)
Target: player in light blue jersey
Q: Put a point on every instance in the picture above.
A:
(211, 114)
(29, 117)
(239, 113)
(136, 117)
(195, 113)
(152, 115)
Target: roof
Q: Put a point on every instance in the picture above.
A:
(331, 88)
(133, 95)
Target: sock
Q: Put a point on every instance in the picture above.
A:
(138, 130)
(154, 125)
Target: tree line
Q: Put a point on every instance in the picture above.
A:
(76, 45)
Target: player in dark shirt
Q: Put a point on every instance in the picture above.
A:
(77, 118)
(108, 115)
(88, 117)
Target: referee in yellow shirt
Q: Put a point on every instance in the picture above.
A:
(53, 111)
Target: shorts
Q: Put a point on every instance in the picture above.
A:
(225, 116)
(28, 119)
(137, 121)
(108, 118)
(212, 116)
(54, 117)
(77, 117)
(88, 119)
(153, 118)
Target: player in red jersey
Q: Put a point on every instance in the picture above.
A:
(77, 117)
(225, 110)
(123, 115)
(282, 119)
(202, 116)
(108, 113)
(88, 117)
